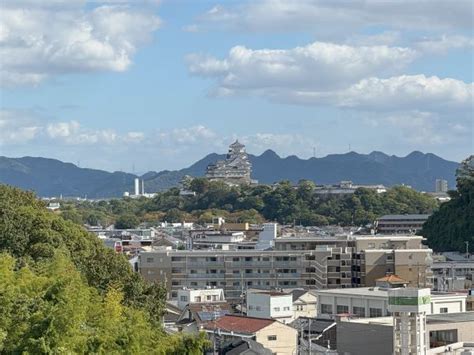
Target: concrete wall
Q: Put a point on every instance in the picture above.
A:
(364, 339)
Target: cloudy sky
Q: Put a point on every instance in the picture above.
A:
(152, 85)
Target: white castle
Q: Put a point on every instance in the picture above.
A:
(235, 169)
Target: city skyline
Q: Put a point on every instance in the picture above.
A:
(158, 85)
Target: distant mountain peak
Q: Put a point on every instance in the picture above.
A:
(269, 154)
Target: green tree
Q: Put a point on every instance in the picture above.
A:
(127, 221)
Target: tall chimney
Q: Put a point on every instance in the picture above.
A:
(143, 187)
(137, 187)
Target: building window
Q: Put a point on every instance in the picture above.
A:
(286, 308)
(358, 311)
(177, 258)
(174, 294)
(272, 337)
(208, 297)
(258, 308)
(175, 271)
(250, 307)
(276, 309)
(197, 299)
(443, 337)
(184, 298)
(340, 309)
(375, 312)
(443, 310)
(149, 260)
(194, 283)
(326, 309)
(235, 259)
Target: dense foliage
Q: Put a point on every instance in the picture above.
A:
(453, 224)
(283, 203)
(62, 291)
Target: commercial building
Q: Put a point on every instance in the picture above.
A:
(370, 302)
(375, 335)
(281, 339)
(441, 185)
(400, 223)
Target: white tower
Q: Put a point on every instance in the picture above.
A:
(137, 187)
(409, 307)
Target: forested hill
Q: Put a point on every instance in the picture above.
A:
(49, 177)
(453, 224)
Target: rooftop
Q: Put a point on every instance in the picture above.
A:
(392, 279)
(239, 324)
(376, 292)
(404, 216)
(450, 317)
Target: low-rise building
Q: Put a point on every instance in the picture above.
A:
(206, 295)
(276, 305)
(453, 275)
(304, 303)
(280, 338)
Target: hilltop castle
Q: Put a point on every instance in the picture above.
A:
(235, 169)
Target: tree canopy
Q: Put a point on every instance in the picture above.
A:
(63, 291)
(453, 224)
(283, 203)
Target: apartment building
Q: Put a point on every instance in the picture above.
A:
(310, 263)
(236, 271)
(377, 256)
(400, 223)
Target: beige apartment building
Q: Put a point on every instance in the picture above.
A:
(310, 263)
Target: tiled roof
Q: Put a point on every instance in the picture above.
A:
(392, 279)
(239, 324)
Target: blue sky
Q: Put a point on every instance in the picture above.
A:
(148, 85)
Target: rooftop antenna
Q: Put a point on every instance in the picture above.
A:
(314, 152)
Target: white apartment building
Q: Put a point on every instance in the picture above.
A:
(207, 295)
(270, 304)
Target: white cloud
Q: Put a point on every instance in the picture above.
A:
(321, 73)
(40, 41)
(187, 136)
(319, 65)
(17, 127)
(326, 16)
(395, 93)
(445, 43)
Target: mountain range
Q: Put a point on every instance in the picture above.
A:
(50, 177)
